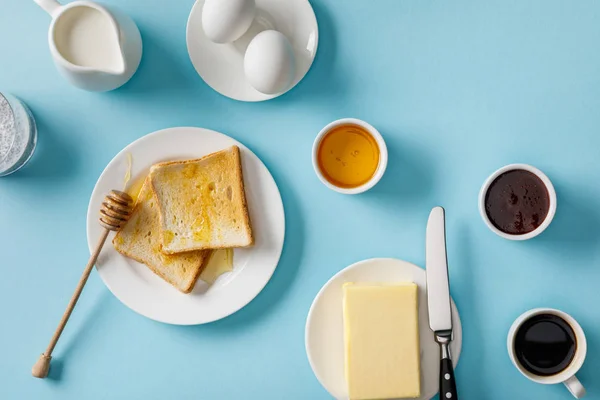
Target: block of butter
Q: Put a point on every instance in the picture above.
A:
(381, 334)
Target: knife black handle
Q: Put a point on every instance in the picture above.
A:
(447, 383)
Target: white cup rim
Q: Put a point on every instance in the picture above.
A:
(551, 196)
(577, 361)
(383, 156)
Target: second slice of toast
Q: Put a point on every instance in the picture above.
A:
(140, 240)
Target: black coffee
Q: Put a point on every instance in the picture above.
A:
(545, 344)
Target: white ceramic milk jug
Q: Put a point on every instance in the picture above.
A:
(94, 47)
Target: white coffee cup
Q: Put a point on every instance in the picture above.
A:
(567, 375)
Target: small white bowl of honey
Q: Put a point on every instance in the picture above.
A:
(349, 156)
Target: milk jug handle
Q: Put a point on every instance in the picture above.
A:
(50, 6)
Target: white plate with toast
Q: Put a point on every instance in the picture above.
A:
(324, 334)
(137, 286)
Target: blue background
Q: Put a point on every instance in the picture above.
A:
(458, 89)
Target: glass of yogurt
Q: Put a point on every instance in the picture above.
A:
(18, 134)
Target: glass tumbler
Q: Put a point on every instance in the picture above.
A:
(18, 134)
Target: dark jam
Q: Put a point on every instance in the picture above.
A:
(517, 202)
(545, 344)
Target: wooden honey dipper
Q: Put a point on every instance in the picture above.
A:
(116, 210)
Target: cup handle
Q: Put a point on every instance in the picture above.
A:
(50, 6)
(575, 387)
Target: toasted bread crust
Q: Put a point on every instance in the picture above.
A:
(206, 258)
(247, 221)
(166, 278)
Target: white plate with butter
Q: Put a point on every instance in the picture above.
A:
(324, 336)
(137, 286)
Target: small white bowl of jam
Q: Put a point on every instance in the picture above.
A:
(349, 156)
(517, 202)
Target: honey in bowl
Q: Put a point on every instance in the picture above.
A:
(348, 156)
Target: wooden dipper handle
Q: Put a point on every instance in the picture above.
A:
(116, 210)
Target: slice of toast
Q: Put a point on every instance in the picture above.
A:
(202, 203)
(140, 240)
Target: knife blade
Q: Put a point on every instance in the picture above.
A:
(438, 289)
(438, 298)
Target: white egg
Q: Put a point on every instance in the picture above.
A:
(224, 21)
(269, 62)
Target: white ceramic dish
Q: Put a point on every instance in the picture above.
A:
(221, 66)
(147, 294)
(324, 336)
(383, 155)
(551, 195)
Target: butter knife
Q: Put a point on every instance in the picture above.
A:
(438, 298)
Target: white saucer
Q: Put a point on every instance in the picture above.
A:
(324, 334)
(221, 66)
(147, 294)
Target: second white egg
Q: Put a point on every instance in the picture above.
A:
(269, 62)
